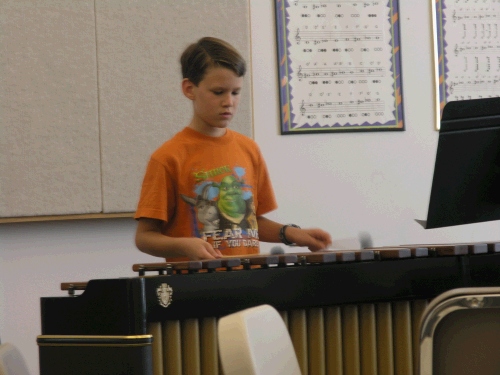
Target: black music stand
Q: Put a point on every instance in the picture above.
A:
(466, 182)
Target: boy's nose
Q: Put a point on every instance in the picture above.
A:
(228, 101)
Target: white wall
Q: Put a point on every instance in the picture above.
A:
(377, 182)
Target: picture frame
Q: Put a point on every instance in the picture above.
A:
(339, 66)
(466, 51)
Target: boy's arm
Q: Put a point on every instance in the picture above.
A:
(315, 239)
(150, 240)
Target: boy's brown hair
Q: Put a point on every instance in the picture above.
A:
(210, 52)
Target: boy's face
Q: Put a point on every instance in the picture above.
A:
(215, 100)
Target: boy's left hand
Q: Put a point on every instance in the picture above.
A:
(314, 238)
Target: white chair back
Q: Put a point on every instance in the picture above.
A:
(255, 341)
(12, 361)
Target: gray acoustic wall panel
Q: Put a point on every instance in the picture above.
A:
(49, 135)
(141, 104)
(88, 90)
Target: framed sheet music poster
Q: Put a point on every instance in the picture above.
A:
(339, 65)
(467, 50)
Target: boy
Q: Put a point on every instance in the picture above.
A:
(206, 189)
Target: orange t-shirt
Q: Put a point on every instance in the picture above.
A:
(208, 187)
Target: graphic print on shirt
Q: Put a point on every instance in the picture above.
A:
(223, 209)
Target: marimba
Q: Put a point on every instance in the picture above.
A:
(348, 312)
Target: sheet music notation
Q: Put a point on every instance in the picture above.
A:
(326, 72)
(343, 109)
(318, 37)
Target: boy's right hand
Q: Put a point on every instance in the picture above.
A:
(150, 240)
(198, 249)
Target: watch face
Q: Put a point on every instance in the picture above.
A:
(282, 234)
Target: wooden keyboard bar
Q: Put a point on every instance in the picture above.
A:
(494, 247)
(445, 249)
(290, 258)
(416, 251)
(419, 252)
(227, 262)
(449, 250)
(459, 248)
(145, 267)
(192, 265)
(321, 257)
(478, 248)
(483, 247)
(393, 253)
(345, 256)
(330, 256)
(230, 262)
(259, 260)
(167, 267)
(72, 286)
(364, 255)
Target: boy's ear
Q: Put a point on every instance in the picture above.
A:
(187, 88)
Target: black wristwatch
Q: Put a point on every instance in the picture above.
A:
(283, 236)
